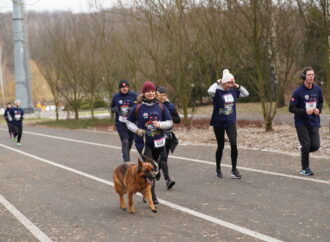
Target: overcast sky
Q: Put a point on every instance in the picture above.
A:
(53, 5)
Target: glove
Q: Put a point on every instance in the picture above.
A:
(114, 109)
(140, 132)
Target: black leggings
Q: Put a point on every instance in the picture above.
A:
(220, 136)
(157, 154)
(10, 129)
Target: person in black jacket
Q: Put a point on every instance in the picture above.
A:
(121, 104)
(17, 115)
(9, 119)
(171, 140)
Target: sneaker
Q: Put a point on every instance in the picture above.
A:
(235, 174)
(219, 173)
(155, 201)
(306, 172)
(169, 184)
(158, 176)
(310, 171)
(18, 144)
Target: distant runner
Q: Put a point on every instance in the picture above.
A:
(121, 104)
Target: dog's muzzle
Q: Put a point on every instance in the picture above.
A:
(150, 179)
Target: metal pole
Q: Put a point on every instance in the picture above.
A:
(21, 56)
(1, 79)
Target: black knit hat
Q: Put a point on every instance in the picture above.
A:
(161, 90)
(123, 83)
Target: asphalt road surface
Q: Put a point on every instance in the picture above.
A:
(58, 187)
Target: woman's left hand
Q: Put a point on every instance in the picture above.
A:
(156, 124)
(235, 85)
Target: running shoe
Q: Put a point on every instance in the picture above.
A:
(235, 174)
(169, 184)
(306, 172)
(18, 144)
(219, 173)
(310, 171)
(158, 176)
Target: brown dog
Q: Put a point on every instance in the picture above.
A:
(131, 178)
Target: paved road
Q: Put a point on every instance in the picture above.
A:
(58, 187)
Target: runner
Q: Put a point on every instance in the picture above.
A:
(171, 140)
(17, 115)
(306, 104)
(224, 93)
(149, 118)
(121, 104)
(9, 119)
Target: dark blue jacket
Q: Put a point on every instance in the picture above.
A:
(224, 107)
(143, 119)
(121, 105)
(17, 115)
(303, 98)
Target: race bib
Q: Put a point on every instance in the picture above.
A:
(123, 119)
(228, 98)
(310, 105)
(159, 142)
(18, 116)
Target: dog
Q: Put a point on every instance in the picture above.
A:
(131, 178)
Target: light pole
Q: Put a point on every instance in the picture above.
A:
(21, 56)
(1, 79)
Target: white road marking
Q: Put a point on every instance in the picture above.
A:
(164, 202)
(187, 159)
(23, 220)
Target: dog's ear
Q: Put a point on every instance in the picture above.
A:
(140, 163)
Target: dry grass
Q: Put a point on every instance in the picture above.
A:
(247, 108)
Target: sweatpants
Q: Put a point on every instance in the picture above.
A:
(309, 139)
(220, 136)
(126, 138)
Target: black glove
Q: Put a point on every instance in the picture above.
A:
(114, 109)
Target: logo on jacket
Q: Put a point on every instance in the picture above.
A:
(145, 115)
(306, 97)
(120, 101)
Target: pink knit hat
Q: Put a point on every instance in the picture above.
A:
(148, 86)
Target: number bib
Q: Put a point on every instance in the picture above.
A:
(123, 119)
(310, 105)
(160, 142)
(228, 98)
(17, 116)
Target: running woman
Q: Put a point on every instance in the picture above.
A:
(150, 118)
(121, 104)
(171, 140)
(224, 93)
(306, 104)
(9, 119)
(17, 115)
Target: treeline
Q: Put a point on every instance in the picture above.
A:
(183, 45)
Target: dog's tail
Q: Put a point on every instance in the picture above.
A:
(119, 174)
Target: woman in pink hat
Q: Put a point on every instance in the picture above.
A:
(149, 118)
